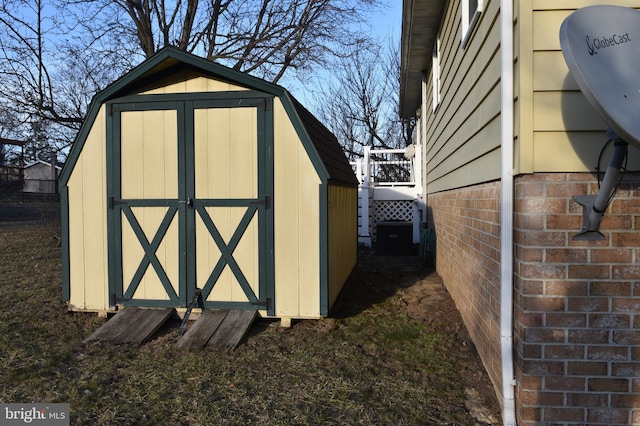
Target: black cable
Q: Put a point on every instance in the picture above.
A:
(623, 169)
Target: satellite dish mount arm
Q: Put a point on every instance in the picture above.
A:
(594, 206)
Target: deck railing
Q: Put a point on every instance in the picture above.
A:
(389, 179)
(388, 167)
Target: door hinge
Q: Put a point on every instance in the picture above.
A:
(267, 303)
(120, 300)
(113, 202)
(266, 202)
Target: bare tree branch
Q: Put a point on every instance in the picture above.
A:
(56, 54)
(360, 104)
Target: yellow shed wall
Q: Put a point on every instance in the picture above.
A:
(558, 130)
(343, 235)
(296, 203)
(189, 81)
(88, 224)
(296, 206)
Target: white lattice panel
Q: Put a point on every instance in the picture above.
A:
(393, 210)
(400, 210)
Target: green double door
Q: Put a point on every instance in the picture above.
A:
(189, 185)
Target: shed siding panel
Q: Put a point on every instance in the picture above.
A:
(87, 215)
(226, 167)
(460, 133)
(149, 161)
(296, 223)
(76, 238)
(188, 82)
(308, 240)
(343, 235)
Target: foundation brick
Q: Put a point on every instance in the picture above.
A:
(564, 415)
(626, 400)
(608, 385)
(567, 320)
(607, 416)
(587, 369)
(593, 337)
(564, 255)
(608, 353)
(610, 289)
(612, 256)
(564, 383)
(564, 352)
(576, 327)
(591, 272)
(586, 399)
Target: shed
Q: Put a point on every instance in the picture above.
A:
(41, 176)
(189, 175)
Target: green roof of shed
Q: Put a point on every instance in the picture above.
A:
(321, 145)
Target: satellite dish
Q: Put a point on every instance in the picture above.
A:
(601, 46)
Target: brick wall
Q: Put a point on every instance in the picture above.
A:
(577, 332)
(467, 226)
(577, 304)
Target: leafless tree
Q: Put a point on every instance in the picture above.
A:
(360, 103)
(263, 37)
(56, 54)
(34, 96)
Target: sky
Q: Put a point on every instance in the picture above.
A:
(384, 23)
(389, 20)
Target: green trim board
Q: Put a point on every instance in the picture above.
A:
(323, 193)
(64, 225)
(269, 268)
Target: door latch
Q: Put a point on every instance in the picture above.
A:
(188, 202)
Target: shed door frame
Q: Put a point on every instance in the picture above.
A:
(186, 207)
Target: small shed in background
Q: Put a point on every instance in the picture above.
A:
(189, 175)
(41, 176)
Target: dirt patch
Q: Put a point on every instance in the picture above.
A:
(420, 293)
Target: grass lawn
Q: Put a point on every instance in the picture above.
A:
(394, 352)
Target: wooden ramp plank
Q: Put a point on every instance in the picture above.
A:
(201, 331)
(232, 330)
(131, 325)
(114, 326)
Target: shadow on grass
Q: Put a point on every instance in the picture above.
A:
(374, 279)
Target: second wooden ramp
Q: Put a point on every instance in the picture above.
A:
(233, 328)
(201, 331)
